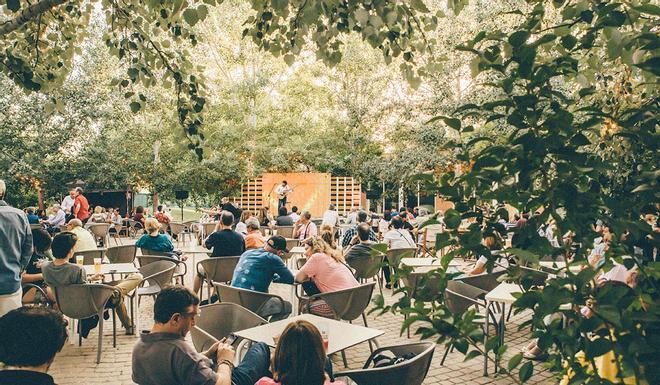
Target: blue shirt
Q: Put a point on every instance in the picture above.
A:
(15, 247)
(33, 219)
(160, 242)
(257, 268)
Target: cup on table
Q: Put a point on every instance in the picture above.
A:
(325, 334)
(80, 259)
(97, 265)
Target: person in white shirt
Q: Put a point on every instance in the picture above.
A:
(282, 192)
(331, 216)
(351, 219)
(295, 217)
(56, 218)
(86, 240)
(397, 237)
(67, 202)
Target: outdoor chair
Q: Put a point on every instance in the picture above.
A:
(40, 296)
(89, 256)
(121, 254)
(206, 229)
(100, 231)
(284, 231)
(485, 281)
(219, 320)
(149, 256)
(218, 269)
(119, 229)
(290, 244)
(409, 372)
(394, 256)
(135, 228)
(158, 275)
(347, 304)
(180, 231)
(427, 244)
(249, 299)
(36, 226)
(82, 301)
(368, 267)
(420, 288)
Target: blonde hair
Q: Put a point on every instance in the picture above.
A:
(98, 210)
(318, 245)
(151, 225)
(327, 233)
(245, 215)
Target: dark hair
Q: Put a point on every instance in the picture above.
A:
(227, 218)
(294, 209)
(63, 243)
(387, 215)
(41, 240)
(306, 214)
(397, 222)
(362, 216)
(139, 210)
(172, 300)
(299, 357)
(31, 336)
(284, 182)
(363, 231)
(402, 209)
(159, 208)
(282, 211)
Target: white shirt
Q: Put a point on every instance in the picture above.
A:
(330, 217)
(67, 203)
(294, 217)
(241, 228)
(398, 239)
(57, 219)
(352, 218)
(283, 190)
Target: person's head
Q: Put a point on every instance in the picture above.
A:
(316, 245)
(402, 209)
(226, 218)
(294, 209)
(491, 242)
(299, 357)
(284, 183)
(30, 210)
(245, 215)
(63, 244)
(79, 191)
(404, 216)
(252, 224)
(31, 337)
(151, 225)
(331, 207)
(41, 240)
(224, 200)
(281, 211)
(72, 193)
(363, 232)
(276, 245)
(361, 216)
(98, 210)
(139, 210)
(175, 309)
(387, 215)
(56, 207)
(159, 208)
(305, 216)
(397, 222)
(3, 189)
(74, 223)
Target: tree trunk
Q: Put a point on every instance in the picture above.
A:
(29, 13)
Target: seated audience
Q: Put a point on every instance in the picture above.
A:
(31, 337)
(164, 357)
(265, 218)
(85, 239)
(362, 247)
(294, 214)
(331, 216)
(61, 272)
(492, 243)
(327, 233)
(32, 216)
(283, 219)
(56, 218)
(41, 243)
(139, 217)
(300, 358)
(253, 239)
(154, 240)
(349, 235)
(397, 237)
(324, 271)
(99, 215)
(305, 228)
(241, 227)
(258, 268)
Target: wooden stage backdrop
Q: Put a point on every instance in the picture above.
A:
(311, 191)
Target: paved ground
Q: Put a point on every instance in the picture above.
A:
(76, 365)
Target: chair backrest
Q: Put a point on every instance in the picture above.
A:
(158, 273)
(485, 281)
(153, 252)
(532, 277)
(208, 228)
(431, 232)
(36, 226)
(285, 231)
(394, 255)
(88, 255)
(249, 299)
(221, 319)
(121, 254)
(177, 228)
(147, 259)
(82, 300)
(367, 266)
(99, 229)
(408, 372)
(219, 269)
(349, 304)
(460, 296)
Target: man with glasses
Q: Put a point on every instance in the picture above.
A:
(163, 357)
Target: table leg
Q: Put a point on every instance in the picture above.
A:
(501, 337)
(294, 301)
(486, 339)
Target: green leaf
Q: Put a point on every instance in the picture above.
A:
(648, 8)
(419, 6)
(472, 354)
(451, 122)
(514, 361)
(190, 16)
(452, 219)
(280, 5)
(526, 371)
(135, 107)
(568, 41)
(598, 347)
(13, 5)
(518, 38)
(652, 65)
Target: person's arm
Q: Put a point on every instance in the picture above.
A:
(26, 246)
(301, 276)
(208, 243)
(283, 272)
(28, 278)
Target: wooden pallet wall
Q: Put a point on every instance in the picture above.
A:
(345, 192)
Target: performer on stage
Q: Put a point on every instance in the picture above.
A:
(282, 191)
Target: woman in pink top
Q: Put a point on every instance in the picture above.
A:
(300, 358)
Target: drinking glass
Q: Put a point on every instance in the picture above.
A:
(80, 259)
(325, 334)
(97, 265)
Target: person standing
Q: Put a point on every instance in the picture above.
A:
(81, 206)
(67, 204)
(282, 192)
(331, 216)
(15, 252)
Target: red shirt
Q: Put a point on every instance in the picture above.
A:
(81, 207)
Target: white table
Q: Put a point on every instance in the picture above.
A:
(112, 268)
(561, 265)
(502, 294)
(341, 335)
(418, 262)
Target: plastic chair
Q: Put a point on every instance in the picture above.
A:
(220, 320)
(394, 256)
(180, 230)
(408, 372)
(427, 245)
(368, 267)
(88, 256)
(218, 269)
(205, 229)
(100, 231)
(149, 256)
(284, 231)
(82, 301)
(158, 275)
(134, 228)
(485, 281)
(249, 299)
(121, 254)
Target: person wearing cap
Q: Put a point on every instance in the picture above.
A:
(257, 268)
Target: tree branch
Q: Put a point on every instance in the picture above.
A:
(29, 14)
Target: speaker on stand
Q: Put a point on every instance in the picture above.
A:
(181, 195)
